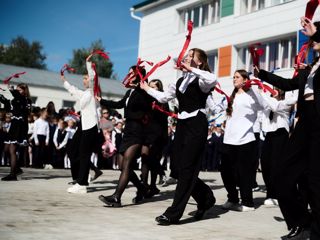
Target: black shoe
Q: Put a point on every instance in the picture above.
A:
(138, 198)
(164, 220)
(96, 175)
(10, 177)
(295, 233)
(19, 171)
(152, 191)
(201, 211)
(141, 194)
(111, 201)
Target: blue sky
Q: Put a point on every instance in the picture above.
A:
(64, 25)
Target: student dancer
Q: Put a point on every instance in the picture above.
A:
(60, 140)
(192, 91)
(89, 126)
(157, 135)
(20, 107)
(41, 140)
(302, 154)
(238, 160)
(137, 108)
(275, 123)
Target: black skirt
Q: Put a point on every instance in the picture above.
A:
(18, 131)
(133, 133)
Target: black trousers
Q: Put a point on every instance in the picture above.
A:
(237, 168)
(87, 145)
(73, 153)
(271, 158)
(302, 159)
(188, 147)
(40, 152)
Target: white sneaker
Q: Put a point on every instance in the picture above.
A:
(243, 208)
(49, 167)
(77, 189)
(169, 181)
(270, 202)
(231, 206)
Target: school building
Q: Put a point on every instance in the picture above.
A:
(224, 29)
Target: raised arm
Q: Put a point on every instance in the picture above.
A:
(74, 91)
(278, 106)
(207, 80)
(114, 104)
(162, 97)
(285, 84)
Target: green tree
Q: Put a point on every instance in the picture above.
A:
(22, 53)
(78, 62)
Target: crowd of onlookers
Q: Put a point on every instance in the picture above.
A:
(50, 131)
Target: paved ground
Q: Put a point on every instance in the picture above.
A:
(38, 207)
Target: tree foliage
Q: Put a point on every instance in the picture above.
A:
(22, 53)
(78, 62)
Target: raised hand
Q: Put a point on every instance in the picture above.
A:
(144, 86)
(308, 27)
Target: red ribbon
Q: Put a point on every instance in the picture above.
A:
(155, 106)
(131, 76)
(128, 79)
(96, 85)
(300, 57)
(218, 89)
(264, 87)
(159, 64)
(101, 53)
(72, 113)
(256, 53)
(66, 67)
(16, 75)
(186, 43)
(311, 8)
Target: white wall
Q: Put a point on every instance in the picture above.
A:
(159, 35)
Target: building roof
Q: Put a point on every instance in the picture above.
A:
(147, 4)
(43, 78)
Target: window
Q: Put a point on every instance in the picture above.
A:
(277, 54)
(249, 6)
(201, 15)
(68, 104)
(213, 61)
(276, 2)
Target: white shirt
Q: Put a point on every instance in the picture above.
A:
(207, 81)
(213, 107)
(41, 127)
(257, 124)
(63, 143)
(88, 108)
(71, 132)
(281, 113)
(239, 126)
(309, 85)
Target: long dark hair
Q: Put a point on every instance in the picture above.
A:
(158, 83)
(245, 75)
(203, 57)
(25, 89)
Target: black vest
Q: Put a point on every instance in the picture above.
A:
(193, 98)
(61, 135)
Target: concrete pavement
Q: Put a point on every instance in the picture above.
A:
(38, 207)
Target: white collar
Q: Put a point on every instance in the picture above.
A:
(188, 77)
